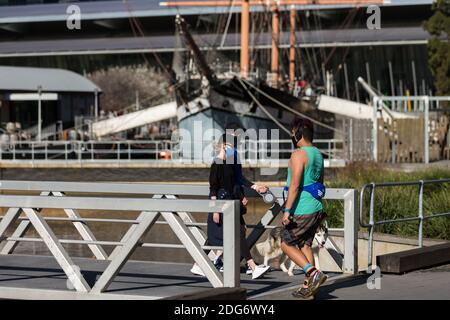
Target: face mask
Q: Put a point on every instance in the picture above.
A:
(230, 151)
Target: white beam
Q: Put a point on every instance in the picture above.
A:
(32, 97)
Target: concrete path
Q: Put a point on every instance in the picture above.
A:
(138, 278)
(426, 284)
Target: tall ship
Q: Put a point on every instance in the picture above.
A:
(252, 65)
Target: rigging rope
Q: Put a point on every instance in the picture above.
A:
(292, 110)
(264, 109)
(138, 25)
(225, 33)
(347, 21)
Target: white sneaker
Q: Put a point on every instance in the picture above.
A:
(197, 270)
(260, 271)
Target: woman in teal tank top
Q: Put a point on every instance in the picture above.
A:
(305, 203)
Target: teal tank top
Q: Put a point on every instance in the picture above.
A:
(305, 202)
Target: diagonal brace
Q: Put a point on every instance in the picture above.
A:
(57, 250)
(146, 221)
(84, 231)
(194, 248)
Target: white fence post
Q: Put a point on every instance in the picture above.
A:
(351, 226)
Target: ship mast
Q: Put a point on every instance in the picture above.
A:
(275, 45)
(292, 23)
(245, 28)
(202, 65)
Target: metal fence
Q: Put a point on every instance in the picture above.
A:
(166, 203)
(129, 150)
(421, 217)
(408, 104)
(173, 212)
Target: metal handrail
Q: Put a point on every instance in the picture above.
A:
(420, 216)
(172, 191)
(128, 149)
(150, 210)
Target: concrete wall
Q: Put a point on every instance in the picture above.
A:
(383, 244)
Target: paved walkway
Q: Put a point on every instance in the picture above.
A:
(159, 280)
(426, 284)
(137, 278)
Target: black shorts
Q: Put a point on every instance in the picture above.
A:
(302, 229)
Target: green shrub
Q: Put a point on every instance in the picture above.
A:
(395, 202)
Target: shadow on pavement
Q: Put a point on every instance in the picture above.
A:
(325, 293)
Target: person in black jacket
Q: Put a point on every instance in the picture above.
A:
(226, 183)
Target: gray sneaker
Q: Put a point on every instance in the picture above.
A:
(304, 293)
(317, 280)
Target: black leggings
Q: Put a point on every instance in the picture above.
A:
(245, 250)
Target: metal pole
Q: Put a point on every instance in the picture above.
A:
(245, 27)
(350, 263)
(371, 229)
(426, 133)
(368, 74)
(292, 15)
(391, 78)
(275, 49)
(329, 149)
(96, 103)
(400, 91)
(357, 92)
(324, 74)
(416, 93)
(394, 142)
(375, 102)
(347, 87)
(39, 112)
(351, 139)
(421, 214)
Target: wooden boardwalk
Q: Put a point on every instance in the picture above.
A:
(137, 280)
